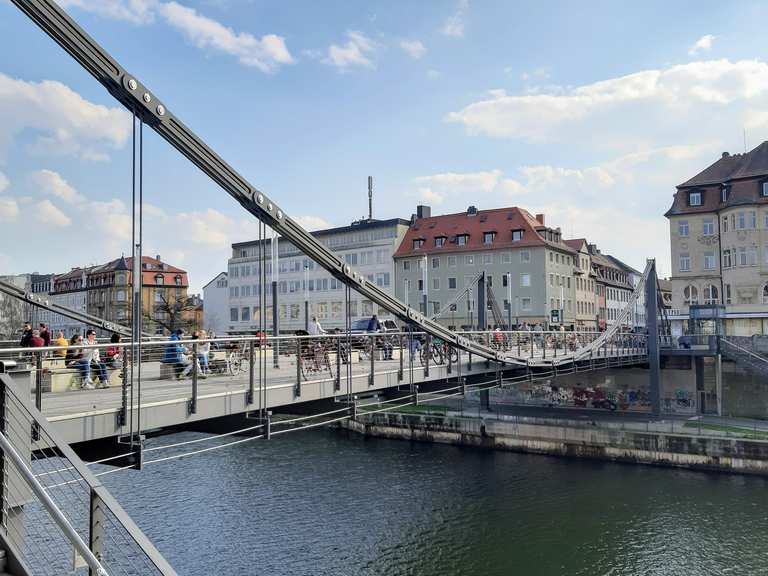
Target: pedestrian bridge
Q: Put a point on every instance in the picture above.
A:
(248, 376)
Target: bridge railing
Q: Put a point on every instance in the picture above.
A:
(56, 514)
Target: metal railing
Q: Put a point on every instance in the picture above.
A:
(58, 515)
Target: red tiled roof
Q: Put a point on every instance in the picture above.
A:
(499, 220)
(576, 244)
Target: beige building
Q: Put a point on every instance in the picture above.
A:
(585, 288)
(719, 243)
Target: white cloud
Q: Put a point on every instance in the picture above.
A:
(356, 52)
(454, 25)
(309, 222)
(414, 48)
(642, 104)
(267, 53)
(437, 188)
(703, 44)
(46, 213)
(63, 121)
(9, 209)
(4, 182)
(52, 183)
(134, 11)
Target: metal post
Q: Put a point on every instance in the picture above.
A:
(448, 350)
(509, 300)
(121, 417)
(275, 326)
(654, 359)
(428, 354)
(373, 365)
(268, 425)
(719, 383)
(400, 369)
(415, 394)
(481, 306)
(337, 378)
(251, 391)
(97, 520)
(299, 360)
(137, 216)
(193, 401)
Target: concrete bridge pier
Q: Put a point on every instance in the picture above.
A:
(485, 400)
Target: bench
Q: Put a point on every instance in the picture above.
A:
(58, 378)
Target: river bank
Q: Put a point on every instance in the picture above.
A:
(676, 443)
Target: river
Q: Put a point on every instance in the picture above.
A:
(330, 503)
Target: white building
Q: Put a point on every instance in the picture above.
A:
(366, 245)
(216, 304)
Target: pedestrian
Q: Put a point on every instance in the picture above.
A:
(45, 334)
(62, 342)
(315, 329)
(113, 352)
(92, 359)
(373, 324)
(203, 353)
(36, 341)
(202, 360)
(175, 355)
(26, 335)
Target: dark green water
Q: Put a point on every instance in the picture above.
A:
(324, 503)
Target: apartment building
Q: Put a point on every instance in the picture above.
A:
(216, 304)
(366, 245)
(526, 263)
(586, 313)
(719, 243)
(613, 287)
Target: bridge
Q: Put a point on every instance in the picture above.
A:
(53, 504)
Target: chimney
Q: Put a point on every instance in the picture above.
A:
(472, 211)
(725, 154)
(370, 197)
(158, 258)
(540, 218)
(423, 211)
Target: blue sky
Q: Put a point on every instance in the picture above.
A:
(589, 112)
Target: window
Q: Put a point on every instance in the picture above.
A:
(694, 198)
(406, 264)
(462, 239)
(765, 294)
(504, 280)
(724, 192)
(452, 261)
(764, 189)
(753, 220)
(506, 258)
(752, 256)
(245, 315)
(121, 295)
(469, 260)
(525, 279)
(742, 256)
(742, 221)
(517, 235)
(436, 262)
(551, 279)
(525, 256)
(682, 228)
(451, 283)
(233, 315)
(728, 294)
(439, 241)
(418, 243)
(727, 258)
(525, 303)
(708, 227)
(488, 237)
(159, 280)
(420, 285)
(685, 262)
(725, 223)
(709, 261)
(435, 283)
(351, 259)
(690, 295)
(711, 294)
(487, 258)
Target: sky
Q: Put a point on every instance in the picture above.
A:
(589, 112)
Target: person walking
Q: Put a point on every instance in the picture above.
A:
(63, 343)
(315, 329)
(45, 334)
(36, 341)
(26, 335)
(174, 355)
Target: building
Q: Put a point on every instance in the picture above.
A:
(719, 243)
(105, 291)
(665, 287)
(216, 304)
(526, 263)
(13, 313)
(366, 245)
(637, 318)
(586, 313)
(613, 286)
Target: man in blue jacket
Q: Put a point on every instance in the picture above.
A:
(175, 355)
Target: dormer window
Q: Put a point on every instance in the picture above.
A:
(694, 198)
(177, 280)
(462, 239)
(764, 189)
(418, 243)
(725, 192)
(488, 237)
(159, 279)
(517, 235)
(439, 241)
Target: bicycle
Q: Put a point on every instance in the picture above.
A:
(315, 358)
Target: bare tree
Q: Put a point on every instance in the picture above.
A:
(11, 318)
(172, 315)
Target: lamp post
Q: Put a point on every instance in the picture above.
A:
(306, 300)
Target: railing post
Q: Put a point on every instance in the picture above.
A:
(415, 394)
(400, 369)
(122, 416)
(97, 520)
(299, 360)
(337, 378)
(193, 401)
(38, 392)
(428, 354)
(487, 338)
(268, 425)
(373, 361)
(251, 385)
(448, 351)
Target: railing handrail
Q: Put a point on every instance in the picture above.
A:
(92, 481)
(761, 358)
